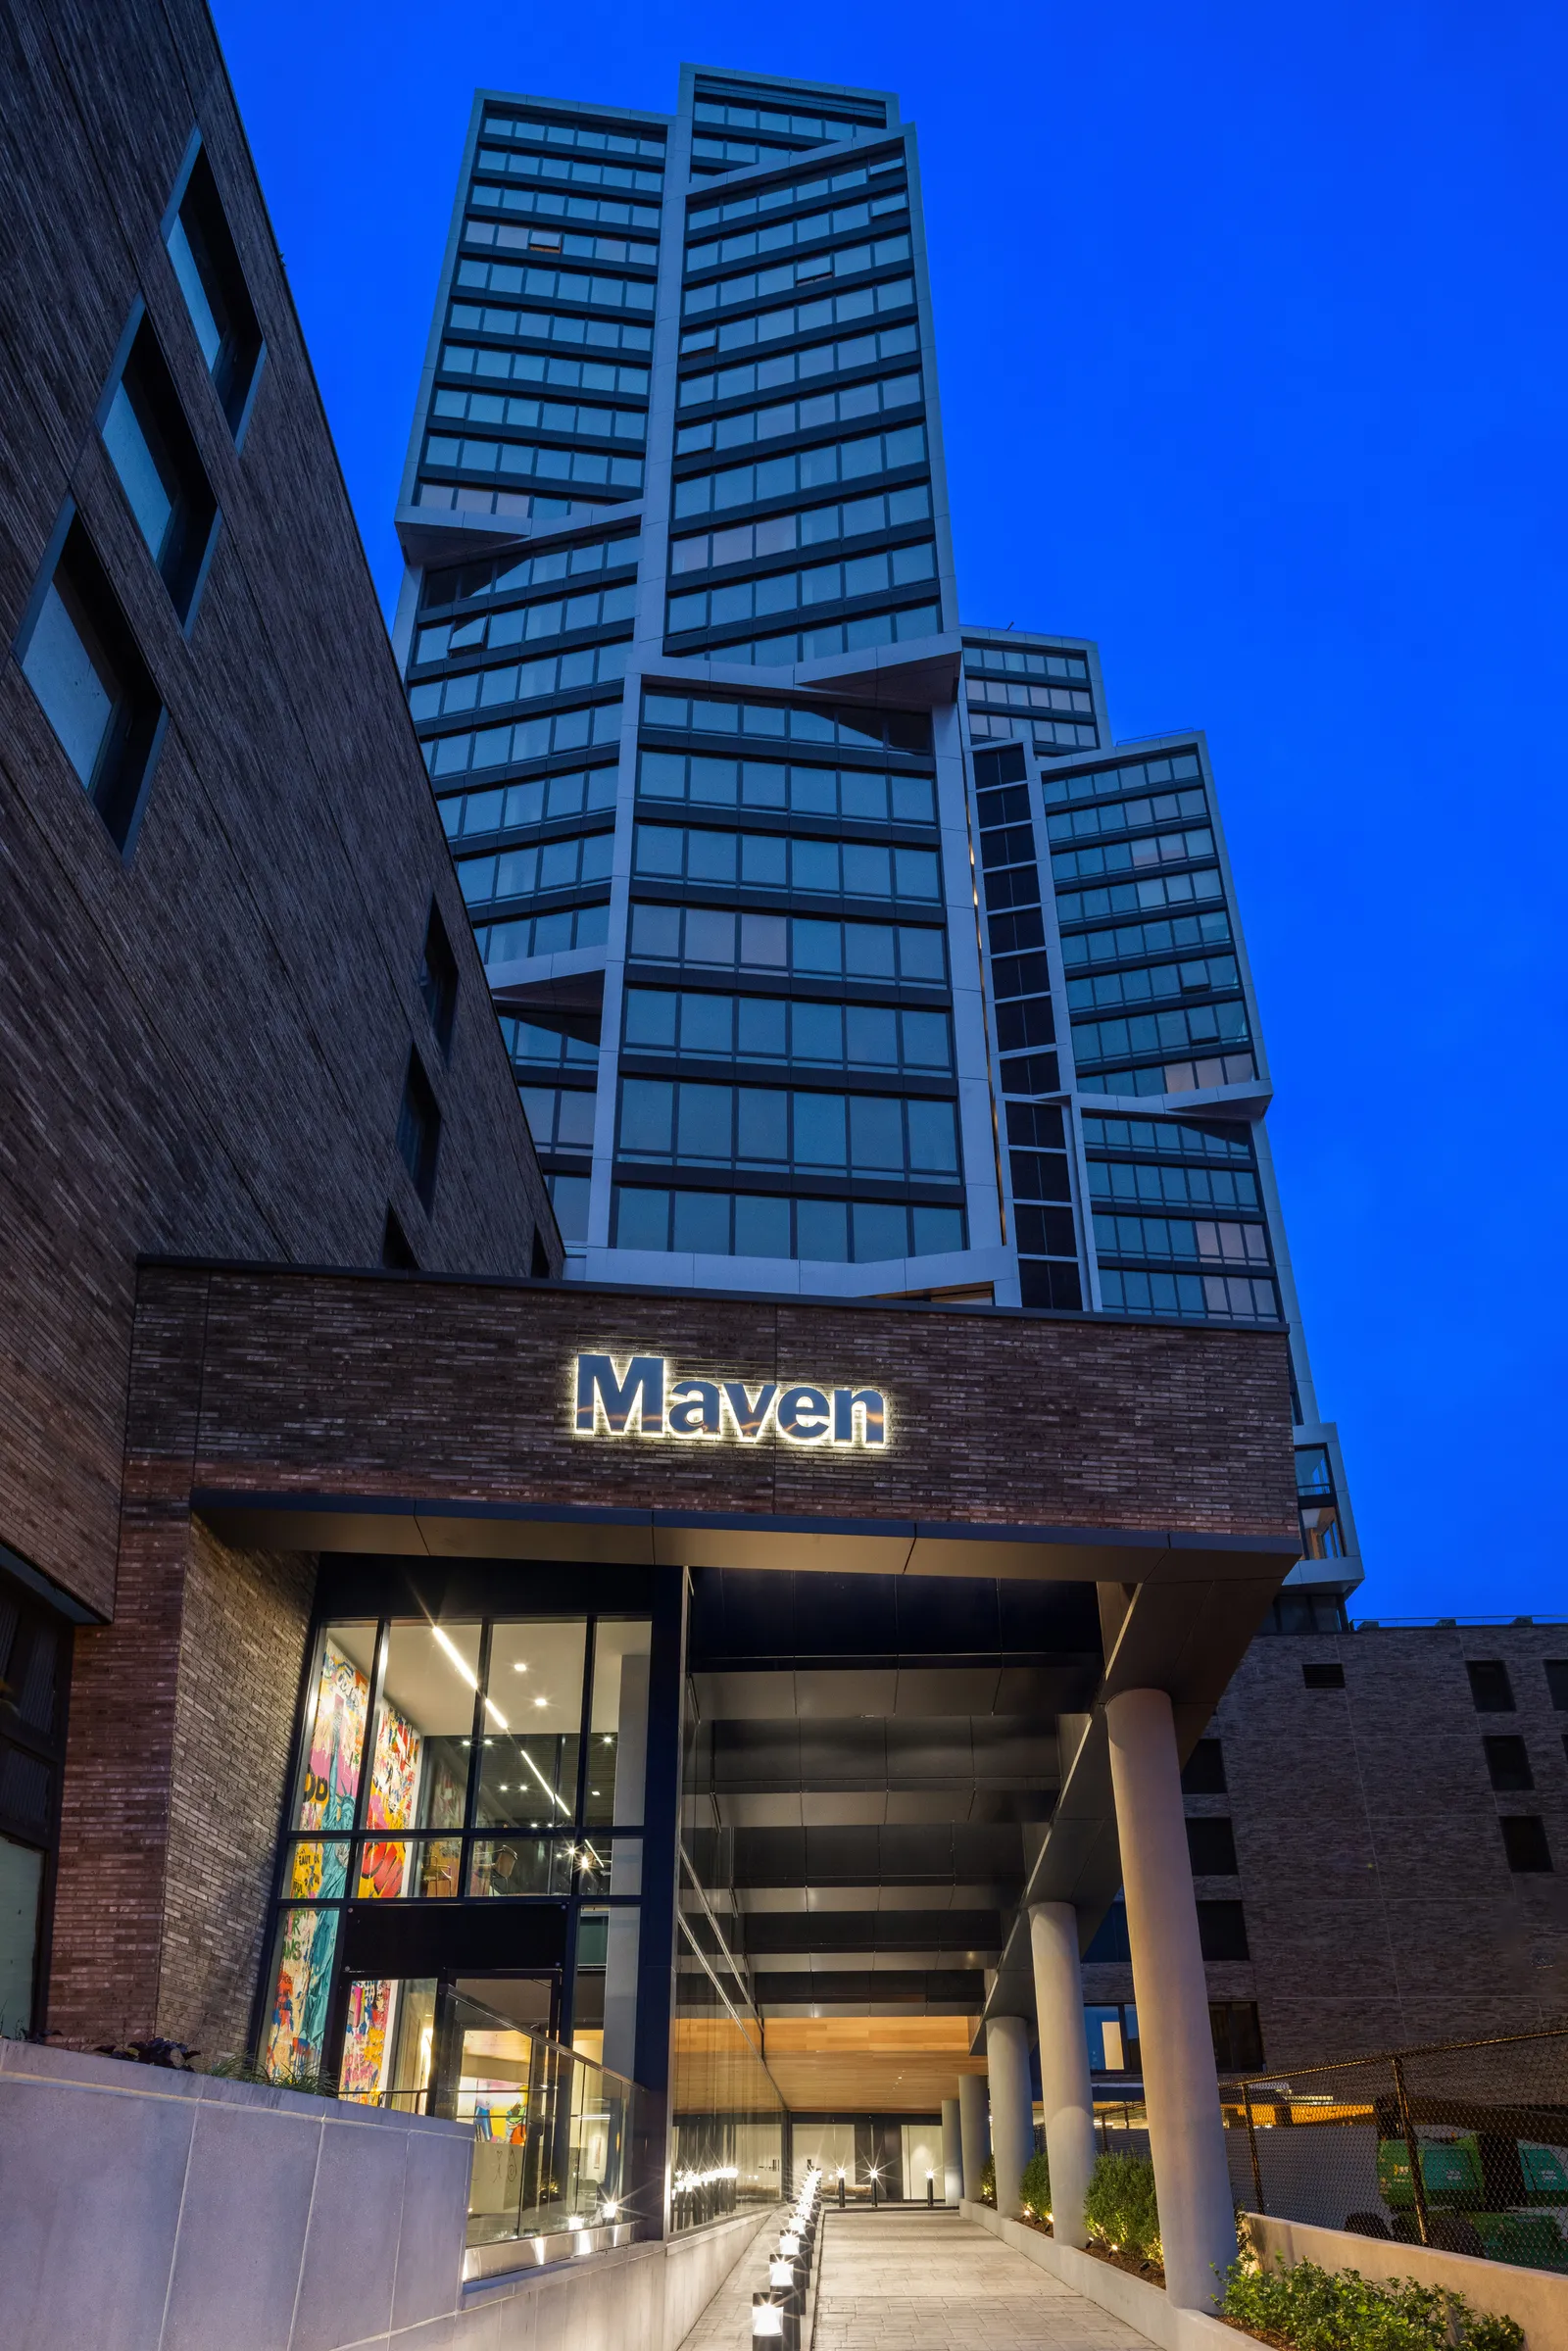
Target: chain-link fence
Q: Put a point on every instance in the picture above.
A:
(1463, 2146)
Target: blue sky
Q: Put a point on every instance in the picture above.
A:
(1251, 327)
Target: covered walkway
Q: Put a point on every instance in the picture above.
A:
(903, 2280)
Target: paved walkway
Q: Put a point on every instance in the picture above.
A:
(900, 2281)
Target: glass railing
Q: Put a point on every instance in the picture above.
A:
(552, 2140)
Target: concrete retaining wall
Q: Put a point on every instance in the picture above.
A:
(1536, 2299)
(1147, 2307)
(151, 2211)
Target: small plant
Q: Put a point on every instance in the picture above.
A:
(987, 2182)
(1033, 2188)
(1315, 2309)
(1120, 2209)
(307, 2079)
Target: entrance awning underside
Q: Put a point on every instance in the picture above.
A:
(884, 1770)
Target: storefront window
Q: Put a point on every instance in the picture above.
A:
(454, 1763)
(533, 1725)
(420, 1764)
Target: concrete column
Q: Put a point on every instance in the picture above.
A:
(1181, 2092)
(952, 2152)
(1013, 2125)
(975, 2131)
(1064, 2085)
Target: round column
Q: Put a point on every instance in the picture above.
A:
(1181, 2090)
(974, 2128)
(1013, 2125)
(1064, 2085)
(952, 2152)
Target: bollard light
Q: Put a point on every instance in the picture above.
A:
(767, 2320)
(790, 2243)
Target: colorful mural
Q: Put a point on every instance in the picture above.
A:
(391, 1803)
(366, 2039)
(320, 1868)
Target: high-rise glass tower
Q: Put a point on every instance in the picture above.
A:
(838, 946)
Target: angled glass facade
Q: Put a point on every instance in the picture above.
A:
(838, 948)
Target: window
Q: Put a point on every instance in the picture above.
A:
(1323, 1677)
(475, 689)
(769, 1028)
(559, 1118)
(34, 1666)
(521, 459)
(816, 526)
(852, 794)
(1557, 1682)
(155, 456)
(530, 738)
(788, 591)
(774, 863)
(83, 663)
(1222, 1931)
(744, 425)
(1238, 2038)
(543, 800)
(569, 1197)
(211, 278)
(1489, 1686)
(1524, 1840)
(1212, 1848)
(805, 945)
(551, 327)
(397, 1252)
(1508, 1764)
(784, 477)
(517, 623)
(442, 1764)
(751, 1224)
(419, 1130)
(791, 366)
(897, 730)
(763, 1127)
(1204, 1772)
(438, 980)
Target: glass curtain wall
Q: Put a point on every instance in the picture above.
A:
(729, 2128)
(460, 1765)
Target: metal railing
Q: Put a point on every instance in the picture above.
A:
(1462, 2145)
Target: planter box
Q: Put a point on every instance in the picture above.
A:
(1536, 2299)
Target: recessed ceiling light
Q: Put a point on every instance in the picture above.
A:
(541, 1701)
(517, 1666)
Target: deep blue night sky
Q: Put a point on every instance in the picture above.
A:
(1253, 356)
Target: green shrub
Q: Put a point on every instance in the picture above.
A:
(988, 2180)
(1033, 2188)
(1322, 2310)
(1120, 2208)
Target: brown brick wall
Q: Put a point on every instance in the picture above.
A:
(242, 1652)
(202, 1051)
(1380, 1907)
(458, 1390)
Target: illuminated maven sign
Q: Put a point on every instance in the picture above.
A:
(647, 1400)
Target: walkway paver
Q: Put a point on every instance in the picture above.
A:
(900, 2281)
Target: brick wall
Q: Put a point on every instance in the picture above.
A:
(202, 1050)
(462, 1391)
(1380, 1906)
